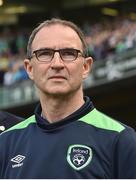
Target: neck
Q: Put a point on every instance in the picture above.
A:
(57, 108)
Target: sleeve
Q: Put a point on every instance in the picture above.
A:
(3, 148)
(1, 156)
(124, 156)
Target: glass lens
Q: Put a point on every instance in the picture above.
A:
(68, 54)
(44, 55)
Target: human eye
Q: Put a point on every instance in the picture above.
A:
(44, 54)
(68, 54)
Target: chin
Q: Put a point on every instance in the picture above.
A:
(57, 92)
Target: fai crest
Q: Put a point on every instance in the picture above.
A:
(79, 156)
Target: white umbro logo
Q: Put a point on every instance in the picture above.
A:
(18, 160)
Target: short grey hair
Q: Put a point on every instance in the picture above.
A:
(54, 21)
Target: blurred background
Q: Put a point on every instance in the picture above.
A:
(110, 30)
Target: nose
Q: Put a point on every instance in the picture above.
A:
(57, 62)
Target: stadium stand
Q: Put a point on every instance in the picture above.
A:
(111, 38)
(12, 52)
(104, 40)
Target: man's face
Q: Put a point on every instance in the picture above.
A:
(58, 77)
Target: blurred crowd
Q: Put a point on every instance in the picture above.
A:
(105, 39)
(110, 38)
(12, 52)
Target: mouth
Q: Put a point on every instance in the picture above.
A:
(57, 77)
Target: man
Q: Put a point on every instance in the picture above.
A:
(66, 137)
(8, 120)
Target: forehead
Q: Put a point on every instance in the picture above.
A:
(56, 36)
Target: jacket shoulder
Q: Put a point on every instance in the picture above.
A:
(22, 124)
(100, 120)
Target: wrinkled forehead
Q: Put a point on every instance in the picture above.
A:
(56, 35)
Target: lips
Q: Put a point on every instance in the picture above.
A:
(57, 77)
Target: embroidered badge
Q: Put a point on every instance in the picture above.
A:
(79, 156)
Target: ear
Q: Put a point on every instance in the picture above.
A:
(29, 68)
(88, 62)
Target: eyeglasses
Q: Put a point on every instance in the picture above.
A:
(67, 54)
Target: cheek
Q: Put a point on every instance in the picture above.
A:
(39, 73)
(77, 73)
(36, 73)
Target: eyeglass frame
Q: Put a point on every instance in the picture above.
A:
(59, 51)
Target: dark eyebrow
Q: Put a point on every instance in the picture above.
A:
(41, 49)
(44, 48)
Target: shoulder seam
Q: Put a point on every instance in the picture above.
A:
(22, 124)
(100, 120)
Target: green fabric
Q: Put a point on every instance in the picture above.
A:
(23, 124)
(102, 121)
(94, 118)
